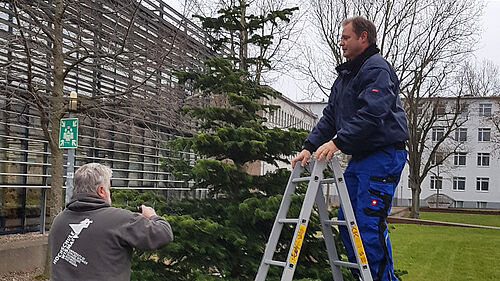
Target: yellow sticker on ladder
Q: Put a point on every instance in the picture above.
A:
(359, 245)
(298, 243)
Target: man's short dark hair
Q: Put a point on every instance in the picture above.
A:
(360, 24)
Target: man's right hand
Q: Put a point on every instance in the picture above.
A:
(147, 211)
(303, 156)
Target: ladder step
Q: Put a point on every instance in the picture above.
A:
(315, 195)
(336, 222)
(278, 263)
(288, 220)
(330, 180)
(301, 179)
(346, 264)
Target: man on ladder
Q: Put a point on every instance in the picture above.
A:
(364, 118)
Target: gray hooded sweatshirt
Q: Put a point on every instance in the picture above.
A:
(90, 240)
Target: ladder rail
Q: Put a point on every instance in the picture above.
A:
(314, 195)
(301, 227)
(328, 236)
(352, 227)
(272, 242)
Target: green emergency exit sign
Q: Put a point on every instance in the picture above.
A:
(68, 133)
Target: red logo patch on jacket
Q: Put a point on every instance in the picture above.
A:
(374, 202)
(375, 90)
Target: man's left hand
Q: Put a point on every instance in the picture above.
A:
(326, 150)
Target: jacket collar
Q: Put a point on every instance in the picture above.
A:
(353, 66)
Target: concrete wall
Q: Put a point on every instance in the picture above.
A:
(22, 255)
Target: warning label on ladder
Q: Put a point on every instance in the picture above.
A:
(298, 243)
(359, 245)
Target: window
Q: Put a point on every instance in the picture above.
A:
(484, 134)
(485, 109)
(459, 183)
(420, 109)
(436, 182)
(461, 134)
(482, 184)
(481, 205)
(463, 109)
(459, 158)
(459, 204)
(483, 159)
(437, 134)
(440, 109)
(437, 158)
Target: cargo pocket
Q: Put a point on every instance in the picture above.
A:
(380, 195)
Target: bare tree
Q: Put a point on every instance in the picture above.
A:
(118, 55)
(424, 41)
(481, 79)
(495, 119)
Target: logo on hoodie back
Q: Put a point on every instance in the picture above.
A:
(65, 252)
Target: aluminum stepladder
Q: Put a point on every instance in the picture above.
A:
(314, 194)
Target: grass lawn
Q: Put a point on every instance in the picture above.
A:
(441, 253)
(491, 220)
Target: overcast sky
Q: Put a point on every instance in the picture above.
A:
(488, 48)
(490, 42)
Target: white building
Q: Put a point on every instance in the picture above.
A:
(315, 107)
(470, 176)
(289, 115)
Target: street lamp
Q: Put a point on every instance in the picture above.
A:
(439, 185)
(73, 96)
(70, 167)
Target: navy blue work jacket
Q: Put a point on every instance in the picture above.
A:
(364, 111)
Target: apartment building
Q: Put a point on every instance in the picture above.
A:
(469, 177)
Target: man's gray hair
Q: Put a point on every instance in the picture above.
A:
(90, 176)
(360, 24)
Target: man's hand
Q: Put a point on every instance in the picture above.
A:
(303, 157)
(326, 150)
(147, 211)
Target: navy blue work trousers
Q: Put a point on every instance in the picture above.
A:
(371, 183)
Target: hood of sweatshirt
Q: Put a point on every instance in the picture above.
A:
(83, 202)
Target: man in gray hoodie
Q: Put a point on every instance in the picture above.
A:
(90, 240)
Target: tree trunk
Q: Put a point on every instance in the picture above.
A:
(243, 37)
(415, 200)
(57, 110)
(57, 104)
(56, 180)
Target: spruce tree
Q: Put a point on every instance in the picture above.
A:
(233, 134)
(223, 238)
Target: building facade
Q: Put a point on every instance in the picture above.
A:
(156, 41)
(289, 115)
(469, 176)
(315, 107)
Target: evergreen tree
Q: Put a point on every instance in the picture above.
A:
(233, 135)
(224, 237)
